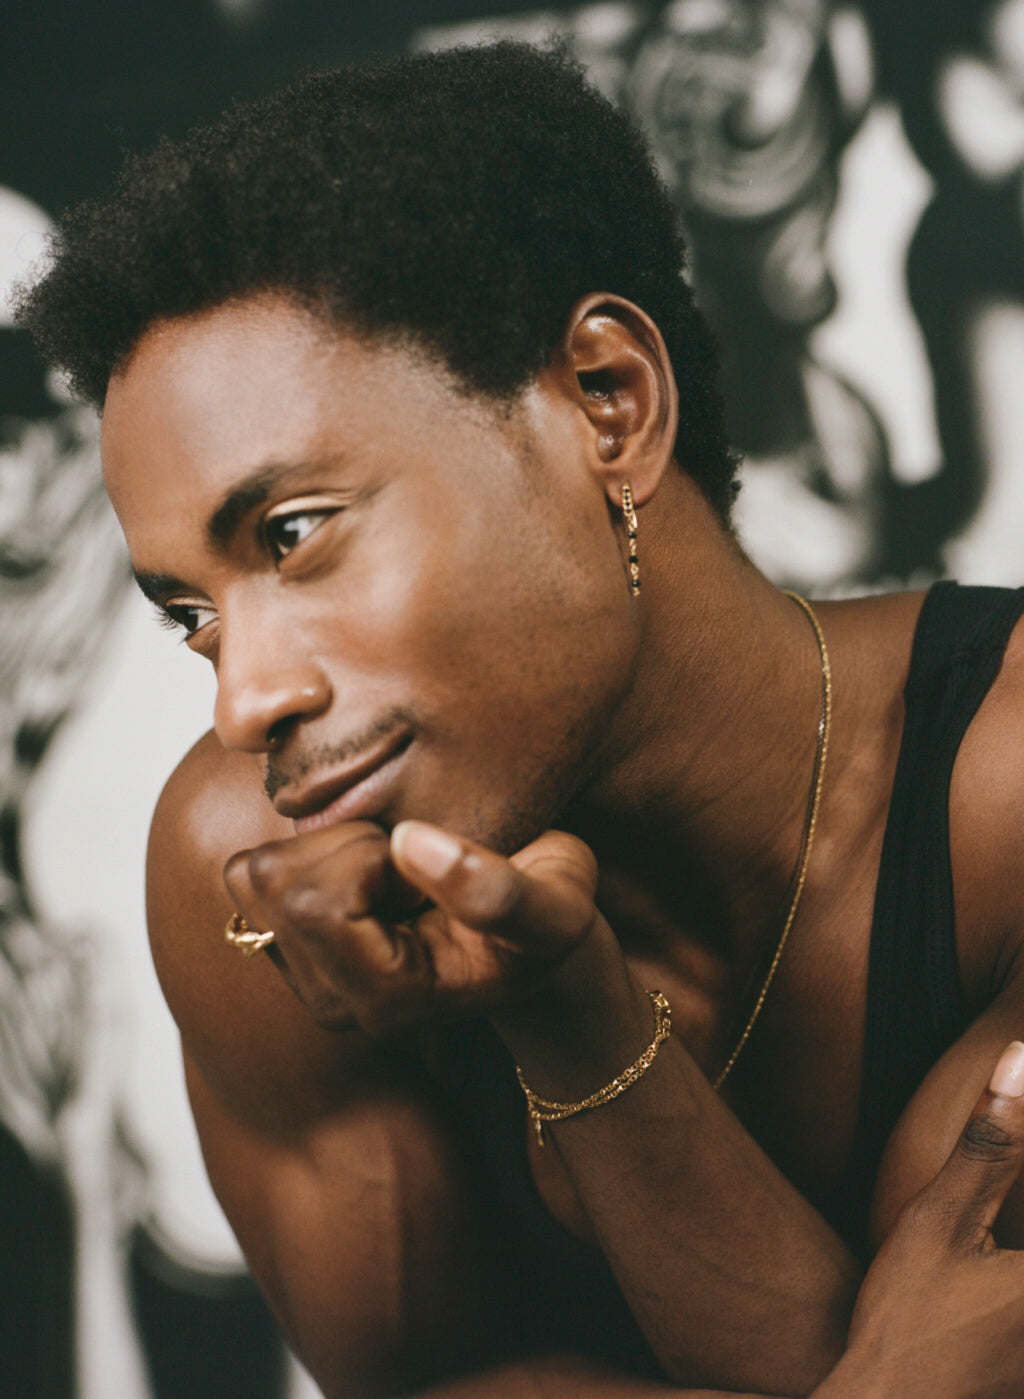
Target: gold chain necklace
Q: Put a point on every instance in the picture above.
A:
(807, 838)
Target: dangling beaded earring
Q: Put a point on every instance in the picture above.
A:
(629, 515)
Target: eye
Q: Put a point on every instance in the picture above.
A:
(187, 617)
(282, 533)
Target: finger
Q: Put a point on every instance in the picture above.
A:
(279, 882)
(327, 898)
(969, 1191)
(268, 869)
(543, 896)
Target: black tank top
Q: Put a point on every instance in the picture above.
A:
(915, 1004)
(565, 1295)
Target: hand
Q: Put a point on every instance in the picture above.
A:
(388, 934)
(941, 1312)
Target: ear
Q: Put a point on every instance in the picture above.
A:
(617, 369)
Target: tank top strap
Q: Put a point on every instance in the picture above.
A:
(915, 1004)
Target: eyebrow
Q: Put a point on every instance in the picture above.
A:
(253, 490)
(246, 495)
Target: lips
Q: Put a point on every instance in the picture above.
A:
(354, 791)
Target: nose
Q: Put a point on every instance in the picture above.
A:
(262, 695)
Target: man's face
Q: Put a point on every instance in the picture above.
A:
(414, 600)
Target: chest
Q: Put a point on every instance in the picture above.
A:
(895, 949)
(796, 1085)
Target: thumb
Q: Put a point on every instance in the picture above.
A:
(969, 1191)
(543, 895)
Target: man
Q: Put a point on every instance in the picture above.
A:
(411, 427)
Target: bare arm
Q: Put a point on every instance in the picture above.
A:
(355, 1209)
(707, 1238)
(941, 1311)
(362, 1235)
(334, 1167)
(928, 1129)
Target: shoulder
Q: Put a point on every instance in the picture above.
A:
(331, 1155)
(251, 1041)
(215, 796)
(210, 807)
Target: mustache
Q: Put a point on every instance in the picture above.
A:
(299, 765)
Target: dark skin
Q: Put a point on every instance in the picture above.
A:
(418, 611)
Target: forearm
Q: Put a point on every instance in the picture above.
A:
(734, 1278)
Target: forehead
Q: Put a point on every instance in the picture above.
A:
(209, 398)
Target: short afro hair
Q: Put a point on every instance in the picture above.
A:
(463, 200)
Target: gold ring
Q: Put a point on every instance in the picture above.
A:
(248, 940)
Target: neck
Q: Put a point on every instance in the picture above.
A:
(698, 812)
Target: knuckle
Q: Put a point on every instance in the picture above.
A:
(236, 872)
(329, 1011)
(368, 880)
(491, 900)
(266, 869)
(561, 857)
(924, 1228)
(584, 862)
(580, 922)
(302, 904)
(985, 1139)
(923, 1217)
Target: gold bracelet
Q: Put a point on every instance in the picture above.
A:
(542, 1110)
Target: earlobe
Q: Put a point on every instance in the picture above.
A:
(621, 378)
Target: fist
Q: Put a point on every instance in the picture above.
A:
(387, 933)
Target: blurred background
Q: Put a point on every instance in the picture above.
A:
(850, 176)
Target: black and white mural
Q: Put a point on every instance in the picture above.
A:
(851, 176)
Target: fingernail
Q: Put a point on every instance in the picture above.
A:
(1008, 1075)
(425, 848)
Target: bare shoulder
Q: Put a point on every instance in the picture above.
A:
(986, 808)
(242, 1029)
(331, 1157)
(212, 805)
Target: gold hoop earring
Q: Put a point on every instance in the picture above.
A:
(629, 515)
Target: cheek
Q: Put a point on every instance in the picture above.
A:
(531, 643)
(510, 595)
(518, 612)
